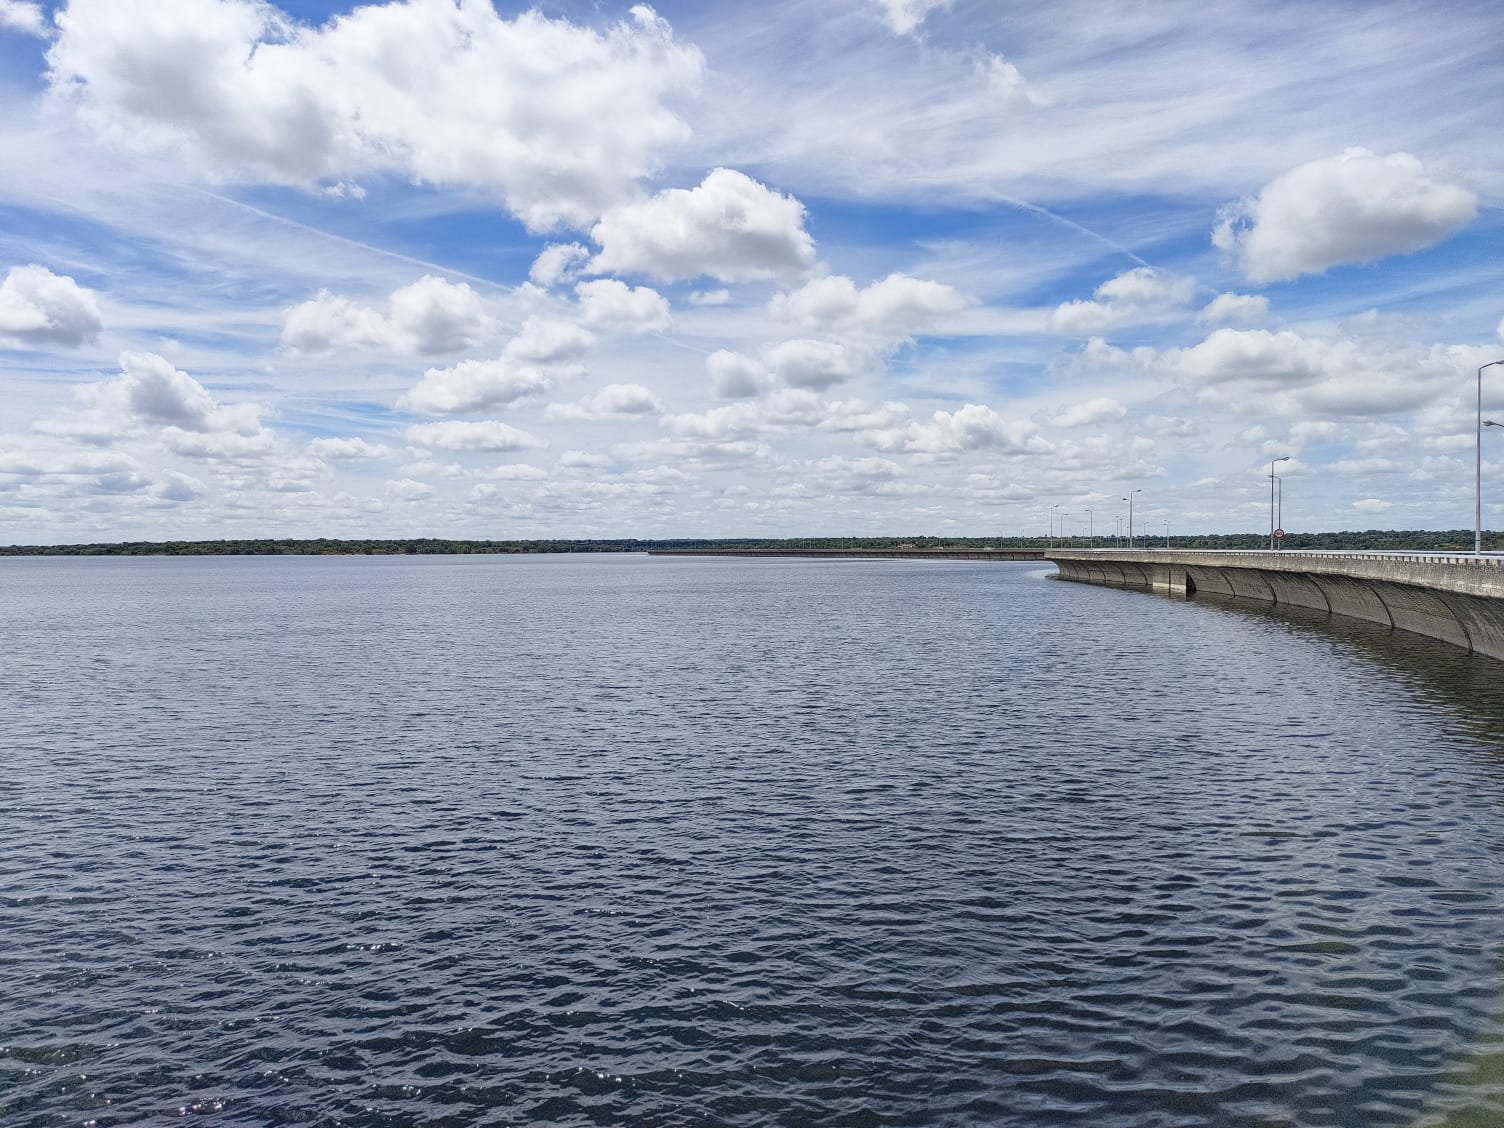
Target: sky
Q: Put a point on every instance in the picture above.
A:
(796, 268)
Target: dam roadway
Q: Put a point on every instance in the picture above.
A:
(1455, 597)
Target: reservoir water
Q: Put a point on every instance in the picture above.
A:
(620, 840)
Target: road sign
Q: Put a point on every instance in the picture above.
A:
(1279, 534)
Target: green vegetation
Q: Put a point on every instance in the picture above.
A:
(1373, 539)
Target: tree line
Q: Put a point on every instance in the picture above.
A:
(1457, 540)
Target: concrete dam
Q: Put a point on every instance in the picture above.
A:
(1457, 598)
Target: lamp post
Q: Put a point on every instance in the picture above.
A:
(1478, 469)
(1167, 534)
(1279, 504)
(1129, 500)
(1052, 523)
(1091, 536)
(1272, 525)
(1118, 530)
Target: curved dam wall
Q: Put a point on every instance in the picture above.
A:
(1457, 599)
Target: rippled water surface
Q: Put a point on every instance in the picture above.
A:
(619, 840)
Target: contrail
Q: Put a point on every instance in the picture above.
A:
(1024, 205)
(282, 219)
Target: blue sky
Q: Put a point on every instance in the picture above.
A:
(865, 266)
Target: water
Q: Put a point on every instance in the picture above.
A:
(618, 840)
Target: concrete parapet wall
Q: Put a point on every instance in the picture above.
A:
(1458, 599)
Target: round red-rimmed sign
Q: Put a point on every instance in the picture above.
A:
(1279, 534)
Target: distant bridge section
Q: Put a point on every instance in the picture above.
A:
(1453, 597)
(994, 554)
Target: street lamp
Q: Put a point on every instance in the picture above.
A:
(1272, 525)
(1129, 500)
(1052, 523)
(1279, 506)
(1091, 537)
(1478, 471)
(1167, 534)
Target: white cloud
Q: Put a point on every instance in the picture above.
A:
(408, 490)
(439, 316)
(513, 472)
(485, 434)
(23, 16)
(38, 307)
(1299, 376)
(1097, 410)
(150, 390)
(1006, 83)
(735, 376)
(1236, 309)
(803, 363)
(428, 317)
(730, 227)
(615, 305)
(558, 121)
(585, 460)
(346, 448)
(557, 262)
(856, 475)
(973, 427)
(612, 401)
(1353, 208)
(894, 307)
(1371, 505)
(903, 17)
(1140, 294)
(543, 353)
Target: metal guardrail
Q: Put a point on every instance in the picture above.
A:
(1487, 559)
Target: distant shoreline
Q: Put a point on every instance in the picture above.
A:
(1374, 539)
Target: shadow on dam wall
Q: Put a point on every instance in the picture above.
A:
(1457, 599)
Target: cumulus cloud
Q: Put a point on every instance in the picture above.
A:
(612, 401)
(38, 307)
(803, 363)
(557, 262)
(428, 317)
(615, 305)
(1135, 295)
(408, 490)
(895, 307)
(557, 121)
(736, 376)
(903, 17)
(1371, 505)
(856, 475)
(150, 390)
(346, 448)
(1236, 309)
(1097, 410)
(23, 16)
(730, 228)
(973, 427)
(543, 353)
(1300, 376)
(485, 434)
(1352, 208)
